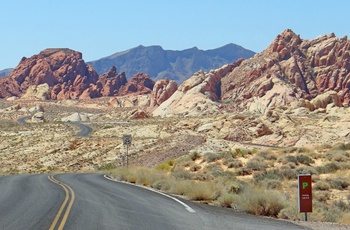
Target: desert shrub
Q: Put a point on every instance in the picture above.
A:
(244, 171)
(344, 165)
(181, 187)
(339, 183)
(224, 174)
(342, 205)
(234, 188)
(120, 174)
(163, 166)
(327, 168)
(304, 159)
(345, 219)
(240, 152)
(227, 200)
(288, 173)
(195, 155)
(287, 159)
(272, 184)
(292, 165)
(106, 167)
(146, 176)
(195, 168)
(162, 184)
(267, 155)
(296, 149)
(322, 185)
(291, 212)
(306, 170)
(322, 196)
(338, 155)
(273, 174)
(261, 202)
(212, 157)
(203, 191)
(233, 163)
(256, 164)
(199, 191)
(181, 174)
(341, 146)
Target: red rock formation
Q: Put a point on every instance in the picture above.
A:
(162, 90)
(139, 84)
(299, 68)
(65, 72)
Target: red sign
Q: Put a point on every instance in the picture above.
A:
(305, 193)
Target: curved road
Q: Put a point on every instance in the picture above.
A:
(84, 129)
(90, 201)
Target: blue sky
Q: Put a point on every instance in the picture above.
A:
(99, 28)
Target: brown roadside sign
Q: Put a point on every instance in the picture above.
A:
(305, 193)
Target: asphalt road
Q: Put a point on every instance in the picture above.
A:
(84, 129)
(90, 201)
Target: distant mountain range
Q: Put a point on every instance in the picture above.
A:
(174, 65)
(5, 72)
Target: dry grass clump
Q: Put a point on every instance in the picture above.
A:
(322, 185)
(227, 200)
(261, 202)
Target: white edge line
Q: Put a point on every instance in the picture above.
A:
(188, 208)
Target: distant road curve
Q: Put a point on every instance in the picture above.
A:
(90, 202)
(84, 129)
(22, 120)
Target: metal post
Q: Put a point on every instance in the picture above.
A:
(305, 216)
(127, 156)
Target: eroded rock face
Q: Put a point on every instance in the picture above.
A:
(199, 94)
(41, 92)
(139, 84)
(288, 70)
(162, 91)
(65, 73)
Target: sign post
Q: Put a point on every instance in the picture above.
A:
(127, 141)
(305, 194)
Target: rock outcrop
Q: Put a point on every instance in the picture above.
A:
(66, 75)
(139, 84)
(162, 91)
(199, 94)
(288, 70)
(40, 92)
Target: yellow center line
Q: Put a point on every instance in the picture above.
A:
(59, 214)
